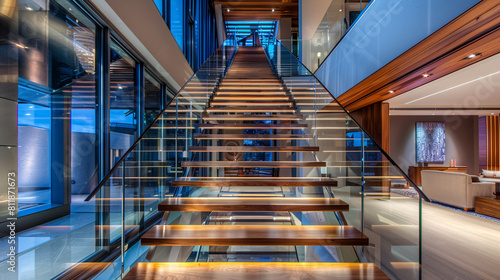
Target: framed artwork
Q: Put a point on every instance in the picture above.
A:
(430, 141)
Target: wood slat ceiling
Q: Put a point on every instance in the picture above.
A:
(477, 31)
(258, 10)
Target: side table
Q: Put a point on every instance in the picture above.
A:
(488, 205)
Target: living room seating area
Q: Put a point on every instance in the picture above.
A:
(455, 189)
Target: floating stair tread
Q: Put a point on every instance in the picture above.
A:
(277, 97)
(255, 183)
(255, 270)
(282, 117)
(252, 103)
(263, 164)
(253, 136)
(245, 109)
(264, 149)
(252, 126)
(276, 235)
(261, 204)
(246, 93)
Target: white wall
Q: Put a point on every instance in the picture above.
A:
(142, 25)
(313, 12)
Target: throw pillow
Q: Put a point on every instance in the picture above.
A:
(488, 173)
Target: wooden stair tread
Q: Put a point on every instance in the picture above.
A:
(251, 103)
(251, 95)
(255, 183)
(252, 126)
(264, 149)
(255, 270)
(227, 235)
(261, 204)
(263, 164)
(282, 117)
(253, 136)
(239, 109)
(255, 86)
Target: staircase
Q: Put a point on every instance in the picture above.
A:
(250, 177)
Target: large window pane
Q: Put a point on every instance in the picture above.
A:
(153, 106)
(177, 22)
(160, 4)
(123, 117)
(56, 97)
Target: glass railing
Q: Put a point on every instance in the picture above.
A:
(126, 199)
(384, 203)
(320, 38)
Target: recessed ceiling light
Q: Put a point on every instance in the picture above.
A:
(29, 8)
(228, 10)
(391, 91)
(28, 114)
(340, 10)
(31, 107)
(474, 55)
(272, 10)
(120, 87)
(426, 75)
(453, 87)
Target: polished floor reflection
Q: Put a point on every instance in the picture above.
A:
(456, 245)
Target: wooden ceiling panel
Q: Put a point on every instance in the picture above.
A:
(476, 31)
(258, 10)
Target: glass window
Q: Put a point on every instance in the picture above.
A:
(177, 22)
(153, 106)
(160, 4)
(56, 94)
(123, 89)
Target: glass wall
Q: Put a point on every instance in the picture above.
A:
(56, 96)
(60, 126)
(123, 102)
(176, 21)
(192, 23)
(153, 96)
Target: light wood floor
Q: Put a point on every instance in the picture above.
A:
(456, 245)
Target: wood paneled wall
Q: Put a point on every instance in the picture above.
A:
(493, 144)
(375, 120)
(489, 143)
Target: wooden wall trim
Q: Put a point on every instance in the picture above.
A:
(493, 143)
(375, 120)
(443, 52)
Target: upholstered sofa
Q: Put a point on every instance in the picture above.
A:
(456, 189)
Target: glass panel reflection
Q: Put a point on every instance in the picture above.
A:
(123, 115)
(56, 95)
